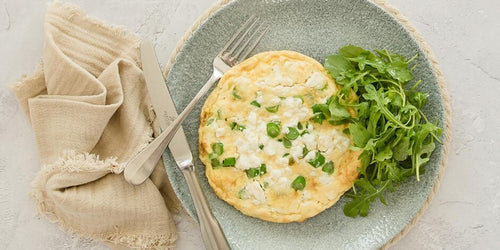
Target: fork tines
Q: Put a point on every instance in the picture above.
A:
(251, 31)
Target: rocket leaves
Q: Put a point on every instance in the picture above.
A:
(387, 124)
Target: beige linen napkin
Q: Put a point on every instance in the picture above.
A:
(91, 113)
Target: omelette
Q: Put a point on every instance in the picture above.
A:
(263, 153)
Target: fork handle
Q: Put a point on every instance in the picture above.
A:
(150, 155)
(211, 231)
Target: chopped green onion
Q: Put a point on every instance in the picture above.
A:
(292, 134)
(273, 130)
(229, 162)
(215, 163)
(252, 172)
(255, 103)
(318, 160)
(261, 146)
(218, 148)
(287, 143)
(212, 156)
(273, 109)
(305, 151)
(263, 169)
(209, 121)
(285, 155)
(328, 167)
(299, 126)
(299, 183)
(235, 94)
(304, 132)
(237, 126)
(219, 114)
(242, 194)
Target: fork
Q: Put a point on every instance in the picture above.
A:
(236, 49)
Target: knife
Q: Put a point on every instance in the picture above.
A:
(165, 113)
(164, 107)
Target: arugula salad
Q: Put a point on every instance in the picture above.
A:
(385, 121)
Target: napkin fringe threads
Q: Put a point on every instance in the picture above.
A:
(71, 162)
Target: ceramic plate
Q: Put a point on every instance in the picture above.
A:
(314, 28)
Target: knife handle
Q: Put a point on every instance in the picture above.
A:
(211, 231)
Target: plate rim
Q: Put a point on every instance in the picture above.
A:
(415, 35)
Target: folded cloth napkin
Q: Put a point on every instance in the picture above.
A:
(91, 113)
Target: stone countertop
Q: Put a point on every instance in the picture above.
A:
(465, 214)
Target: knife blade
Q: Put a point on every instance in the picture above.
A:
(211, 231)
(165, 113)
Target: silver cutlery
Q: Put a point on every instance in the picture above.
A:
(164, 107)
(235, 50)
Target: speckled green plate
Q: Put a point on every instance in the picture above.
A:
(314, 28)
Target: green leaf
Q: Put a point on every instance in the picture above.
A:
(402, 150)
(351, 51)
(336, 65)
(273, 129)
(419, 99)
(359, 134)
(299, 183)
(384, 154)
(337, 112)
(399, 70)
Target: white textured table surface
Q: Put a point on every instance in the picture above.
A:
(465, 214)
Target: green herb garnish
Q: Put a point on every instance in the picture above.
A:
(254, 172)
(299, 183)
(236, 126)
(261, 146)
(305, 151)
(395, 137)
(328, 167)
(219, 114)
(299, 126)
(209, 121)
(235, 94)
(273, 109)
(229, 162)
(292, 134)
(273, 130)
(255, 103)
(287, 143)
(318, 160)
(218, 148)
(215, 163)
